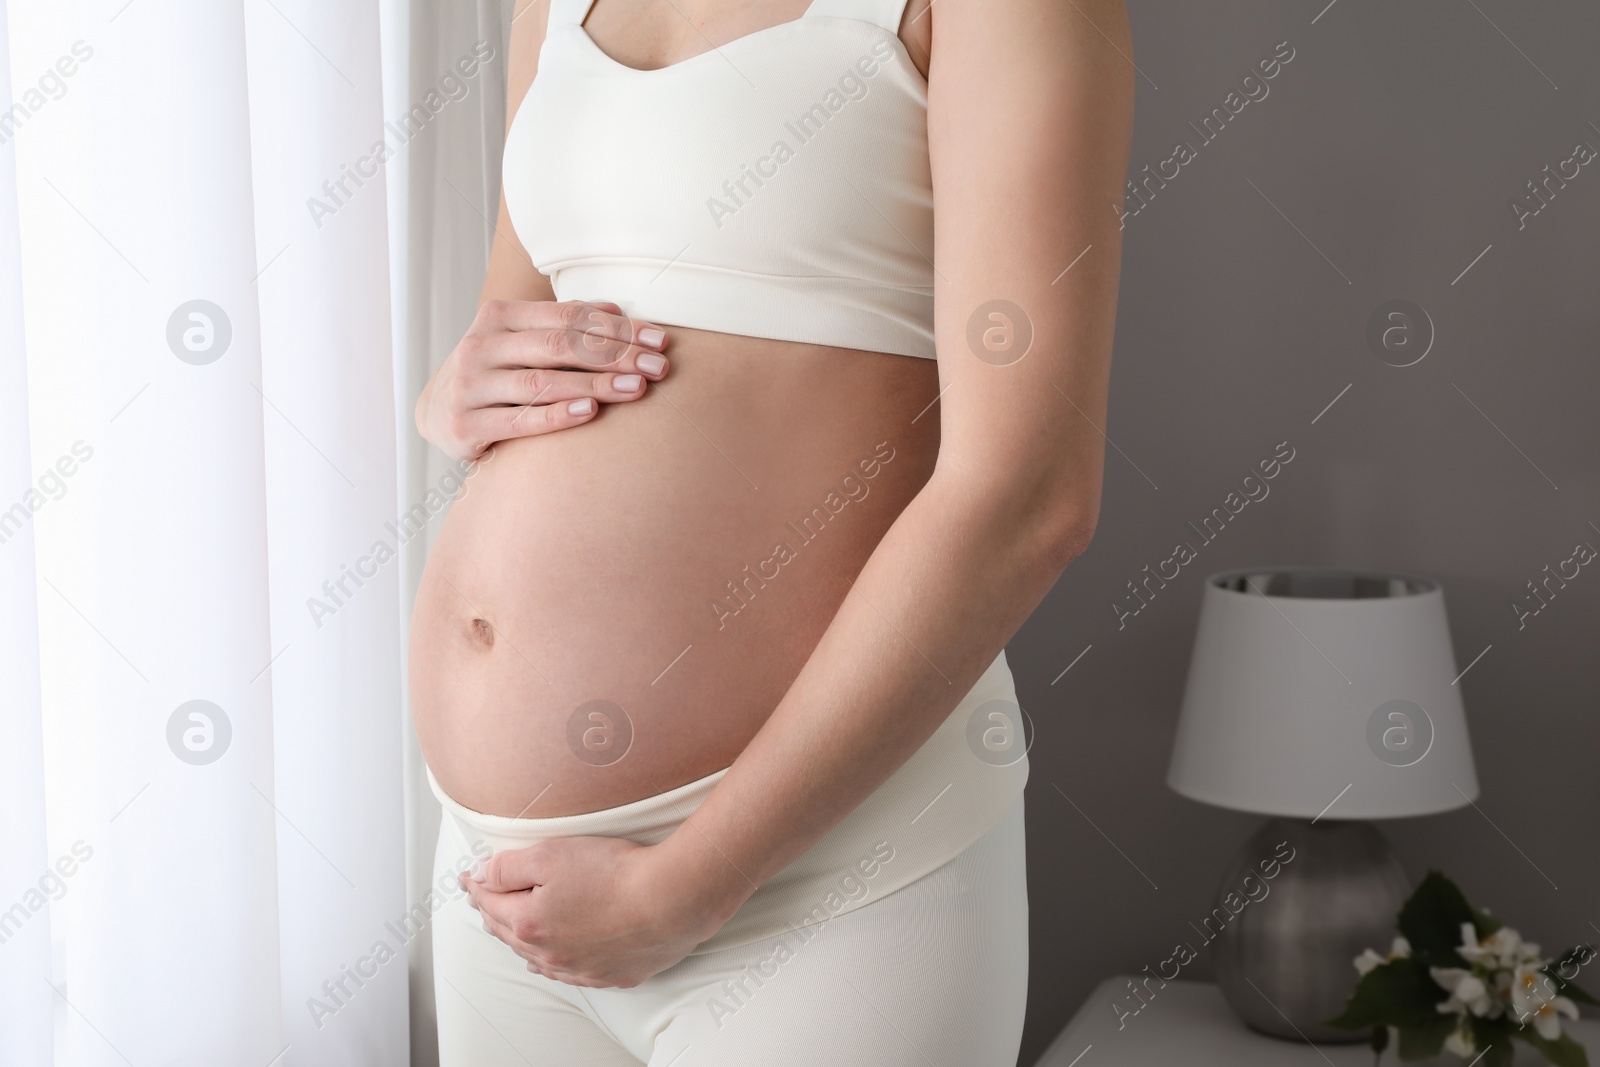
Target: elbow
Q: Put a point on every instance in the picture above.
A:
(1041, 520)
(1053, 525)
(1066, 534)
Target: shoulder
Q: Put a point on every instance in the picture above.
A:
(529, 21)
(1001, 34)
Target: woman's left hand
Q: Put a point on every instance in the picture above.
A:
(594, 911)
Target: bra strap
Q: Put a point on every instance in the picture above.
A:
(569, 12)
(884, 13)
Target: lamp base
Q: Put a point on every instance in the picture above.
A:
(1285, 960)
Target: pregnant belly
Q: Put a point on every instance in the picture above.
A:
(614, 610)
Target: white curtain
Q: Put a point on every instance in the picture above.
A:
(217, 301)
(445, 195)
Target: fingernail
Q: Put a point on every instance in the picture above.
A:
(627, 383)
(476, 871)
(651, 364)
(652, 336)
(577, 407)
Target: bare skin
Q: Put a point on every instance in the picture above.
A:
(580, 565)
(583, 561)
(650, 510)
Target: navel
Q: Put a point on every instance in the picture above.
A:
(481, 633)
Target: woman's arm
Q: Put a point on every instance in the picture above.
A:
(529, 365)
(1029, 115)
(1030, 109)
(511, 274)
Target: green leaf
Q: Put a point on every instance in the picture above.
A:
(1570, 960)
(1431, 920)
(1562, 1052)
(1494, 1035)
(1422, 1040)
(1500, 1054)
(1397, 993)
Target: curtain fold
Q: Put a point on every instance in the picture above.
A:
(319, 149)
(26, 885)
(235, 240)
(143, 343)
(202, 771)
(445, 194)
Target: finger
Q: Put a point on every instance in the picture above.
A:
(529, 955)
(529, 958)
(602, 321)
(513, 871)
(578, 348)
(478, 428)
(591, 324)
(501, 931)
(650, 340)
(567, 977)
(504, 909)
(541, 386)
(571, 349)
(497, 928)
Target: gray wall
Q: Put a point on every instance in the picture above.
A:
(1395, 141)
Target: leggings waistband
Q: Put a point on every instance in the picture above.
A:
(647, 821)
(929, 811)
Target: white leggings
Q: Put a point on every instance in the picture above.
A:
(934, 974)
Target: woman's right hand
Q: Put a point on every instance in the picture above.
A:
(528, 367)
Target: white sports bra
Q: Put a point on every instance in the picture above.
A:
(777, 186)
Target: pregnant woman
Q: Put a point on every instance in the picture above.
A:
(787, 386)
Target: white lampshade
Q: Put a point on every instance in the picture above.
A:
(1308, 685)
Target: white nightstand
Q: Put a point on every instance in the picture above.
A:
(1189, 1023)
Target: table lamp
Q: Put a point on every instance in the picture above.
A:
(1322, 698)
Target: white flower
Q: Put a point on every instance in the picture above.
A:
(1467, 991)
(1545, 1020)
(1460, 1042)
(1534, 999)
(1527, 988)
(1399, 949)
(1503, 948)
